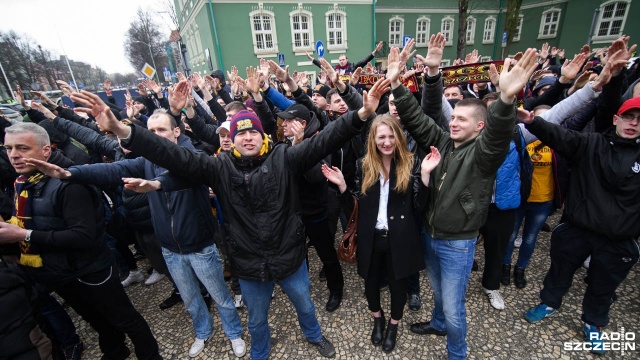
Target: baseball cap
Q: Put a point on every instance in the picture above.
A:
(630, 104)
(296, 111)
(321, 89)
(224, 125)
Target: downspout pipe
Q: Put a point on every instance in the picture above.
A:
(215, 35)
(373, 28)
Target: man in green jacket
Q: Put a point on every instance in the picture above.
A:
(473, 149)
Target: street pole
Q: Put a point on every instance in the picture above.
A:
(8, 83)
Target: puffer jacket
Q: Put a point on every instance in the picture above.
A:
(259, 196)
(462, 184)
(507, 190)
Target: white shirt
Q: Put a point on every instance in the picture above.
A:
(381, 222)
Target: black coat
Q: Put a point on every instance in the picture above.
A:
(403, 213)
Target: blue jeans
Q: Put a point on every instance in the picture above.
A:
(206, 266)
(257, 297)
(449, 265)
(534, 215)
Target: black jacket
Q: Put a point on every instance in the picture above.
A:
(604, 185)
(259, 196)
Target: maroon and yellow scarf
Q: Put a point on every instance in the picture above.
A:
(23, 215)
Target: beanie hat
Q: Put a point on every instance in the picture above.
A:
(138, 99)
(321, 89)
(218, 74)
(245, 120)
(547, 80)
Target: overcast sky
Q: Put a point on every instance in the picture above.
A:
(91, 31)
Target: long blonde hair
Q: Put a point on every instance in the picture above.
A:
(372, 162)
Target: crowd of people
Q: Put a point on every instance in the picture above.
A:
(224, 178)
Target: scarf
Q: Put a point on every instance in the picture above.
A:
(266, 147)
(23, 215)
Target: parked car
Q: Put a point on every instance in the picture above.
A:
(10, 114)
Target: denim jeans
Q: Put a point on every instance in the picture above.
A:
(449, 265)
(206, 266)
(534, 215)
(257, 297)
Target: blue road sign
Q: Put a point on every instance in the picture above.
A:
(281, 59)
(319, 48)
(405, 39)
(504, 38)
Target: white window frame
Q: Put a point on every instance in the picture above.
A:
(485, 58)
(470, 34)
(445, 62)
(543, 23)
(425, 32)
(274, 38)
(601, 20)
(342, 29)
(309, 31)
(397, 34)
(489, 35)
(516, 36)
(449, 32)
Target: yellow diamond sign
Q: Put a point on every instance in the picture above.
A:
(148, 70)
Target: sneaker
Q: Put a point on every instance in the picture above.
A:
(154, 278)
(135, 276)
(73, 352)
(495, 299)
(198, 346)
(474, 267)
(325, 347)
(171, 301)
(517, 242)
(594, 336)
(414, 302)
(237, 301)
(322, 275)
(585, 264)
(239, 347)
(538, 313)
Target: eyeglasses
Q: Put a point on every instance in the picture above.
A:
(629, 117)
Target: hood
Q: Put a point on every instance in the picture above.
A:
(219, 74)
(627, 94)
(312, 127)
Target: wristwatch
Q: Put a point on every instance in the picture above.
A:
(27, 238)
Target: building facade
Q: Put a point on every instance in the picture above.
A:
(219, 34)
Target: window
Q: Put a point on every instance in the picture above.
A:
(549, 24)
(263, 30)
(611, 20)
(471, 29)
(447, 29)
(422, 31)
(396, 31)
(301, 30)
(336, 28)
(489, 30)
(516, 36)
(445, 62)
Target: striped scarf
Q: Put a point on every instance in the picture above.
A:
(23, 215)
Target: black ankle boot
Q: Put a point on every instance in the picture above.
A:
(378, 330)
(506, 275)
(390, 337)
(518, 278)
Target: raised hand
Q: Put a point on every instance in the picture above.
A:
(434, 54)
(253, 80)
(472, 57)
(141, 185)
(298, 132)
(180, 76)
(334, 175)
(281, 74)
(127, 95)
(142, 90)
(231, 76)
(544, 52)
(377, 49)
(46, 112)
(66, 89)
(100, 111)
(371, 99)
(308, 55)
(45, 99)
(200, 82)
(569, 71)
(554, 51)
(612, 68)
(407, 52)
(20, 97)
(494, 76)
(514, 80)
(178, 97)
(428, 164)
(369, 69)
(355, 76)
(394, 66)
(561, 53)
(580, 82)
(524, 116)
(152, 85)
(329, 70)
(48, 169)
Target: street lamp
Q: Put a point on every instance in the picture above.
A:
(151, 53)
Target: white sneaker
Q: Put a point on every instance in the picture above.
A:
(585, 264)
(495, 299)
(237, 300)
(239, 347)
(198, 346)
(154, 278)
(517, 242)
(135, 276)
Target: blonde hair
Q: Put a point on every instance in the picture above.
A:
(372, 162)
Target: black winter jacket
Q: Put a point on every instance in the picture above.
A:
(259, 196)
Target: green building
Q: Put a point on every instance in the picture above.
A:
(219, 33)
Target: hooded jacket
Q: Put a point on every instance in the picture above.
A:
(604, 185)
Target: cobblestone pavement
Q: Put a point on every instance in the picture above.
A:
(492, 334)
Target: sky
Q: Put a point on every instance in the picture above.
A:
(90, 31)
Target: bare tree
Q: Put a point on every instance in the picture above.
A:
(143, 33)
(16, 55)
(511, 23)
(463, 7)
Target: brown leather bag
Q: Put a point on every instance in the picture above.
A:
(349, 243)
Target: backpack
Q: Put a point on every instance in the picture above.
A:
(526, 166)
